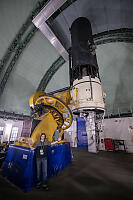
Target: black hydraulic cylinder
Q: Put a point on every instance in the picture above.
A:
(84, 61)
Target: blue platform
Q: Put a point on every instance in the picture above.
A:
(82, 134)
(20, 166)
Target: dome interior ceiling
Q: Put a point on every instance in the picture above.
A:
(114, 60)
(104, 15)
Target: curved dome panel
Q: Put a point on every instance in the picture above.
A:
(114, 59)
(104, 15)
(115, 62)
(36, 58)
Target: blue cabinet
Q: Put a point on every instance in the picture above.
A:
(82, 135)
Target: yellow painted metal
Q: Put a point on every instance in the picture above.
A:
(34, 97)
(24, 141)
(58, 116)
(48, 126)
(60, 107)
(65, 96)
(62, 141)
(77, 98)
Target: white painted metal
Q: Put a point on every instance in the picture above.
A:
(89, 98)
(40, 22)
(91, 132)
(71, 134)
(47, 11)
(99, 127)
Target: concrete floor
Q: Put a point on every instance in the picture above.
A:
(106, 175)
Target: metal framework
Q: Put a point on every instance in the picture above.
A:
(18, 52)
(119, 115)
(40, 22)
(17, 45)
(118, 35)
(14, 116)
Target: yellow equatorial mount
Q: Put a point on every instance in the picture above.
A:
(53, 113)
(59, 110)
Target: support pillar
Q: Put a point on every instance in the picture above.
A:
(91, 132)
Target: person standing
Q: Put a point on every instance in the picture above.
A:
(41, 160)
